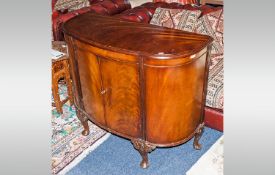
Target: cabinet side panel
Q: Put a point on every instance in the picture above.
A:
(173, 101)
(122, 97)
(91, 85)
(74, 71)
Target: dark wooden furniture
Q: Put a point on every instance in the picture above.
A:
(213, 117)
(214, 2)
(60, 71)
(139, 81)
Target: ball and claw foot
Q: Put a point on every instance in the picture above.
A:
(198, 134)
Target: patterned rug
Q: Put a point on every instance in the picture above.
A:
(67, 142)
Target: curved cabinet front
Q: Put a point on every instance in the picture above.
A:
(110, 88)
(174, 99)
(153, 96)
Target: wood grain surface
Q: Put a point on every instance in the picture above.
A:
(173, 101)
(136, 80)
(130, 37)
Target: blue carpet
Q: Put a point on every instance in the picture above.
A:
(116, 156)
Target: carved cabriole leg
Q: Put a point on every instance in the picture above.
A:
(84, 121)
(198, 134)
(143, 148)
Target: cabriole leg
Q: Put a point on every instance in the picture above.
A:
(84, 121)
(143, 148)
(198, 134)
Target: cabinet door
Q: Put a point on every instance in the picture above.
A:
(90, 82)
(121, 95)
(173, 101)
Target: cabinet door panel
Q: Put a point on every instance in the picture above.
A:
(90, 81)
(121, 92)
(173, 101)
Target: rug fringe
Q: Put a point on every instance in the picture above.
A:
(84, 154)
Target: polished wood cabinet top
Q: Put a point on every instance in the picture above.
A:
(134, 38)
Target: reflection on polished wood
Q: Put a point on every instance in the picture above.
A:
(142, 82)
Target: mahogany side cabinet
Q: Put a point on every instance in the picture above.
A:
(142, 82)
